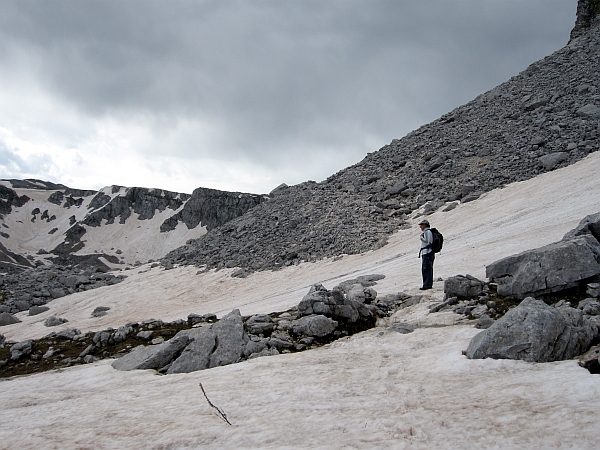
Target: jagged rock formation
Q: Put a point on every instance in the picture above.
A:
(8, 199)
(545, 118)
(203, 341)
(212, 208)
(587, 12)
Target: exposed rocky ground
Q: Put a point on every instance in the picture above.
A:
(203, 341)
(22, 289)
(546, 117)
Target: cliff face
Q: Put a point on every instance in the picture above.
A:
(587, 13)
(212, 208)
(544, 118)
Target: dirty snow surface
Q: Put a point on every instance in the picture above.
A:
(377, 389)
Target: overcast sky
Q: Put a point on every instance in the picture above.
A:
(244, 95)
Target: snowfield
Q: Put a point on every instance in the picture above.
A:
(139, 239)
(377, 389)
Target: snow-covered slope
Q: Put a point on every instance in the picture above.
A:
(377, 389)
(503, 222)
(123, 224)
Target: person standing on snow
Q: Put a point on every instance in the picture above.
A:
(427, 255)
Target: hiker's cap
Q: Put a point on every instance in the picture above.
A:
(424, 222)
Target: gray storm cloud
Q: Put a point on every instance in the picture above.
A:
(276, 81)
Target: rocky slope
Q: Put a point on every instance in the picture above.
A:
(546, 117)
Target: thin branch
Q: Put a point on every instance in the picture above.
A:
(221, 413)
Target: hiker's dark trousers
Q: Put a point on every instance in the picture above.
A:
(427, 269)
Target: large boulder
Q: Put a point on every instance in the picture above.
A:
(196, 356)
(463, 286)
(535, 332)
(153, 356)
(21, 349)
(231, 340)
(259, 324)
(7, 319)
(315, 326)
(553, 268)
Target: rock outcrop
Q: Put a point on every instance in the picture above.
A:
(212, 208)
(587, 13)
(535, 332)
(570, 263)
(463, 287)
(320, 317)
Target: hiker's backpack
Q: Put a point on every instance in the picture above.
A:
(438, 240)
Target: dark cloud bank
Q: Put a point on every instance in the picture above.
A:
(279, 82)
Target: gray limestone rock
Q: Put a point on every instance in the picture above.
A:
(593, 290)
(279, 344)
(21, 305)
(21, 349)
(144, 335)
(259, 324)
(356, 293)
(100, 311)
(471, 197)
(153, 356)
(7, 319)
(590, 306)
(35, 310)
(553, 159)
(265, 352)
(197, 354)
(314, 325)
(101, 338)
(68, 335)
(86, 351)
(316, 294)
(54, 321)
(589, 110)
(346, 312)
(463, 286)
(552, 268)
(484, 322)
(231, 339)
(535, 332)
(396, 188)
(254, 347)
(479, 311)
(121, 334)
(57, 292)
